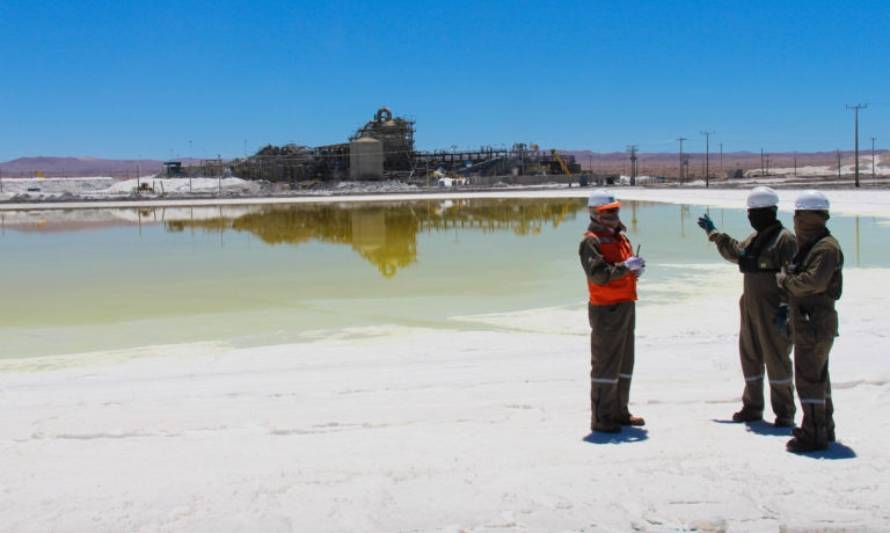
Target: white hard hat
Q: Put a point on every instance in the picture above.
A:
(602, 200)
(762, 197)
(811, 201)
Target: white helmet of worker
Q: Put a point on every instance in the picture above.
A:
(811, 201)
(761, 197)
(602, 200)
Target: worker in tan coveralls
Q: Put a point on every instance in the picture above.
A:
(763, 336)
(814, 282)
(612, 269)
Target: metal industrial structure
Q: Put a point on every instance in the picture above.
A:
(384, 149)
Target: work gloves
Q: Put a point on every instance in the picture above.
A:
(781, 276)
(637, 265)
(705, 223)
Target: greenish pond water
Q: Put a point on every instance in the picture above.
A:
(97, 280)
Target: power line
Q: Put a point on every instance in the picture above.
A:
(873, 177)
(838, 162)
(856, 109)
(681, 139)
(707, 134)
(632, 150)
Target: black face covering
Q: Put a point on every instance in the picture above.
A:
(767, 224)
(762, 218)
(809, 226)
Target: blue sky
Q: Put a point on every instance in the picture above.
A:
(152, 79)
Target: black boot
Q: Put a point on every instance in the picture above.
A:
(797, 432)
(784, 422)
(631, 420)
(747, 415)
(800, 445)
(605, 427)
(813, 434)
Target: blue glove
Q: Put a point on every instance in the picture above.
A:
(781, 318)
(705, 223)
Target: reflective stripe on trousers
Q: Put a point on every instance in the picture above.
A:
(814, 401)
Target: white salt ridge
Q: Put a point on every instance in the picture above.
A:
(184, 185)
(850, 202)
(39, 189)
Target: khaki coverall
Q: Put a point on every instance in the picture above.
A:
(813, 286)
(611, 339)
(761, 340)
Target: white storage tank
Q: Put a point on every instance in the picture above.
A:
(365, 159)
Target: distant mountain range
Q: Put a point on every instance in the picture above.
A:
(82, 166)
(668, 163)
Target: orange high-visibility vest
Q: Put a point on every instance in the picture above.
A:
(615, 248)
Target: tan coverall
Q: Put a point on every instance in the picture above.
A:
(611, 340)
(760, 339)
(813, 287)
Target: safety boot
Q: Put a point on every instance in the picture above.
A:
(813, 433)
(784, 422)
(747, 415)
(631, 420)
(606, 427)
(801, 445)
(797, 432)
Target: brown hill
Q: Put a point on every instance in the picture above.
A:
(81, 166)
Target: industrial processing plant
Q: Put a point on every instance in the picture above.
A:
(384, 149)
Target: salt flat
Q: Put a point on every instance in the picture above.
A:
(408, 429)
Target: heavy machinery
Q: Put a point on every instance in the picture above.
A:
(562, 164)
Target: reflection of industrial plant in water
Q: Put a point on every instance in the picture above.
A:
(386, 234)
(384, 147)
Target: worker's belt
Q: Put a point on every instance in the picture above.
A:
(753, 265)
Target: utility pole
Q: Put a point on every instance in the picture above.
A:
(632, 150)
(762, 168)
(838, 162)
(707, 134)
(856, 109)
(795, 164)
(872, 163)
(722, 172)
(681, 139)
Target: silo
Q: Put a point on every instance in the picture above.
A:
(365, 159)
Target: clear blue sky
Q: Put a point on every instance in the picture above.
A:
(124, 79)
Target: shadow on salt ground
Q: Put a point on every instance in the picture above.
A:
(760, 427)
(628, 434)
(835, 451)
(764, 428)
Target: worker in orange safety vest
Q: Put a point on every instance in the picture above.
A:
(612, 270)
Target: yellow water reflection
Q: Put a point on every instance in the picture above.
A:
(386, 234)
